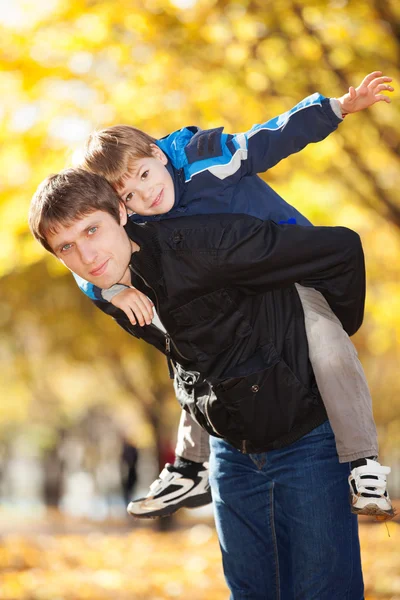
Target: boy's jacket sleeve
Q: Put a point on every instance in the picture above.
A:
(259, 255)
(254, 151)
(312, 120)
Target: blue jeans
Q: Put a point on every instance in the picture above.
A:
(284, 522)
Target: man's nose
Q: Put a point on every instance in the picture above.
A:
(88, 253)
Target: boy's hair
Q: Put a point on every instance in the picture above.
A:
(112, 152)
(63, 198)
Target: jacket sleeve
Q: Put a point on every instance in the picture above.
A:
(264, 145)
(258, 256)
(90, 290)
(147, 333)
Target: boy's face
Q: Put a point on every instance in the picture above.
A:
(95, 247)
(149, 189)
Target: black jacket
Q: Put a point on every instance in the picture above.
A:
(223, 288)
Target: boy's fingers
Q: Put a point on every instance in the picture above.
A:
(382, 98)
(370, 77)
(139, 317)
(143, 311)
(382, 87)
(379, 80)
(131, 316)
(145, 301)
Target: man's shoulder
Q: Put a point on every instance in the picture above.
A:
(205, 232)
(206, 222)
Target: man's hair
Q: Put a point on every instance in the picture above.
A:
(112, 152)
(67, 196)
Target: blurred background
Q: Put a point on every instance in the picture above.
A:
(82, 404)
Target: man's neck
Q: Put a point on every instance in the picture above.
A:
(126, 279)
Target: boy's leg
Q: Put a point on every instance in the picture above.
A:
(340, 379)
(192, 441)
(344, 390)
(284, 522)
(183, 484)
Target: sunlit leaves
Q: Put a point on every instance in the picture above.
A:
(68, 67)
(148, 565)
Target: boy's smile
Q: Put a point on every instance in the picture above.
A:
(149, 189)
(95, 247)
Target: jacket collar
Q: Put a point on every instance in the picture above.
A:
(178, 178)
(147, 260)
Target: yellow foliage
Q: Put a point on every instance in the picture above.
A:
(68, 67)
(146, 565)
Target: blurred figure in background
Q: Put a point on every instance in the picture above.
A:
(128, 464)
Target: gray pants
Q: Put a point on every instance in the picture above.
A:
(340, 379)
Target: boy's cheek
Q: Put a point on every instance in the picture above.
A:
(130, 209)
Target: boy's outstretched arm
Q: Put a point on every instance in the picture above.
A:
(137, 306)
(312, 120)
(266, 144)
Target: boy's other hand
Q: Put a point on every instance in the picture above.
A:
(366, 94)
(137, 306)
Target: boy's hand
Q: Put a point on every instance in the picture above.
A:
(137, 306)
(366, 94)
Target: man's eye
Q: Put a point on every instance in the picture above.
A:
(92, 230)
(144, 174)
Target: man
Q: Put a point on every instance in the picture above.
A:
(223, 287)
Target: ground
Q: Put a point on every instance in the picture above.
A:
(58, 559)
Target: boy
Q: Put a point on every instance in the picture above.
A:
(203, 172)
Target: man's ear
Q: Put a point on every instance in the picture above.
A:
(123, 215)
(159, 154)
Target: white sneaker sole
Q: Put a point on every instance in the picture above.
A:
(372, 510)
(195, 501)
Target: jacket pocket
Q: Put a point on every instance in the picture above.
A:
(212, 323)
(265, 405)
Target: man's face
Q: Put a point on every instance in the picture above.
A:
(95, 247)
(149, 189)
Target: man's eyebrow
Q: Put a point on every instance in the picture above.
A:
(61, 245)
(92, 223)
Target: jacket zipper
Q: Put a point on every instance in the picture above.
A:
(168, 340)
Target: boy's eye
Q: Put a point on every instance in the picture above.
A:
(129, 197)
(144, 174)
(65, 248)
(92, 230)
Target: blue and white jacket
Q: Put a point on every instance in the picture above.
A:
(216, 172)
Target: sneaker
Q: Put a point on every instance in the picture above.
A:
(368, 491)
(170, 492)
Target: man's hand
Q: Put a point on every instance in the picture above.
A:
(137, 306)
(366, 94)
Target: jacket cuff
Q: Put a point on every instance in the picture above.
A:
(109, 294)
(335, 106)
